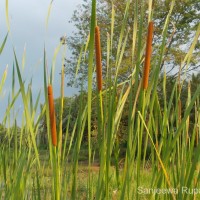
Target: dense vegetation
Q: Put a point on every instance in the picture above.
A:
(71, 107)
(183, 23)
(139, 130)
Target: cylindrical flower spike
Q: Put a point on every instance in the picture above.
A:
(98, 58)
(52, 116)
(148, 56)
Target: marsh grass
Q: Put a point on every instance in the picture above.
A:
(27, 172)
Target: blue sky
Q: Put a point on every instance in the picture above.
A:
(28, 30)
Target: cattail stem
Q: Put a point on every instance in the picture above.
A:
(179, 110)
(148, 56)
(98, 58)
(52, 116)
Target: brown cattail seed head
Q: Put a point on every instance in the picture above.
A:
(98, 58)
(148, 55)
(52, 116)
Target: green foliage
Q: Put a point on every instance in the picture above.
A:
(160, 123)
(2, 132)
(72, 106)
(183, 23)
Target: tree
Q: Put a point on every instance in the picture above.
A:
(183, 22)
(195, 82)
(2, 132)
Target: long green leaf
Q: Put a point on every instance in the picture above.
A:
(28, 117)
(7, 16)
(3, 79)
(3, 44)
(90, 75)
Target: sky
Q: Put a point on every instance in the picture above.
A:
(28, 31)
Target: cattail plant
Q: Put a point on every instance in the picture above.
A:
(159, 128)
(148, 55)
(52, 116)
(98, 58)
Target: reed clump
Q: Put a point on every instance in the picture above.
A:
(159, 133)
